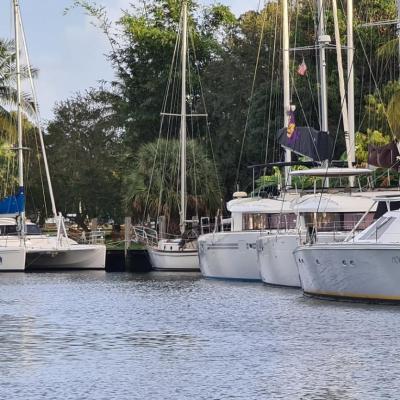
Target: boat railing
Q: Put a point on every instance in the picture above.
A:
(144, 235)
(96, 237)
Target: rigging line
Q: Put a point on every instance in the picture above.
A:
(271, 87)
(159, 135)
(191, 134)
(207, 122)
(251, 97)
(305, 119)
(171, 120)
(375, 83)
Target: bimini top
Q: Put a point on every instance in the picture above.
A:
(259, 205)
(332, 172)
(334, 203)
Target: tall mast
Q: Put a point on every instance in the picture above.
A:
(19, 104)
(35, 102)
(322, 42)
(343, 101)
(183, 118)
(350, 82)
(286, 81)
(398, 31)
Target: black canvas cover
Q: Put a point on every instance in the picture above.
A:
(383, 156)
(307, 142)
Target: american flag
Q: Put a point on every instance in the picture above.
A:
(302, 69)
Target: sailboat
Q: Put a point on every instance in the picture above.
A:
(42, 251)
(179, 253)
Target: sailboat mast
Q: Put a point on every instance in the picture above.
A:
(350, 82)
(322, 41)
(35, 102)
(183, 133)
(342, 89)
(398, 31)
(286, 81)
(19, 101)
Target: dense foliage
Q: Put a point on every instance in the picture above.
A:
(101, 143)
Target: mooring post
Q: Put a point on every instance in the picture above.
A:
(93, 229)
(128, 236)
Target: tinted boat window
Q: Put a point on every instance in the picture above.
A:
(33, 230)
(12, 230)
(260, 221)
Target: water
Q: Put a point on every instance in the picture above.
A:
(161, 336)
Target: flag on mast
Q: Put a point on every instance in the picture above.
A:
(302, 69)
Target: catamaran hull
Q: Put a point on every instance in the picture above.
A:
(350, 271)
(12, 259)
(174, 260)
(276, 261)
(229, 255)
(76, 257)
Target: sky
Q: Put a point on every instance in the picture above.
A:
(68, 51)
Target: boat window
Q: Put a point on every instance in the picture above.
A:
(378, 229)
(263, 221)
(33, 230)
(10, 230)
(329, 222)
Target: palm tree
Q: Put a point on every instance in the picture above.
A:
(8, 92)
(152, 186)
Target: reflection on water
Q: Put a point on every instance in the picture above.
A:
(166, 336)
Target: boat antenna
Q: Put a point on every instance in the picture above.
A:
(183, 133)
(19, 111)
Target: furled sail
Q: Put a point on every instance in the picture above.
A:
(384, 156)
(306, 141)
(13, 205)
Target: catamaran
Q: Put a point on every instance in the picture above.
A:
(41, 251)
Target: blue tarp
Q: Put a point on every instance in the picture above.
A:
(13, 204)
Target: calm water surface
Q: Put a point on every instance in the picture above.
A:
(161, 336)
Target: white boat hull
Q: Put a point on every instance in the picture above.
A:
(73, 257)
(230, 255)
(164, 260)
(12, 259)
(46, 252)
(276, 261)
(350, 271)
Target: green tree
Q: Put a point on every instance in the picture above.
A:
(152, 186)
(85, 154)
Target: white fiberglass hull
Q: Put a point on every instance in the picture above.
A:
(230, 255)
(351, 271)
(73, 257)
(12, 259)
(46, 252)
(276, 261)
(164, 260)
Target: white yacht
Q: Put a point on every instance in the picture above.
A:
(365, 266)
(338, 214)
(233, 254)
